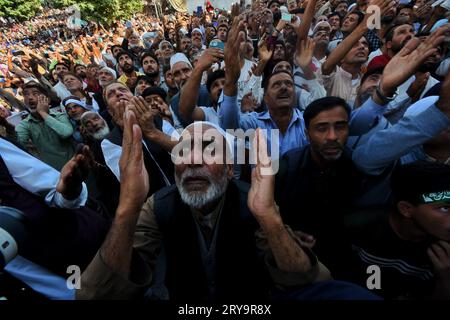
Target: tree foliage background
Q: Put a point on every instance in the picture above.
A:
(19, 9)
(105, 11)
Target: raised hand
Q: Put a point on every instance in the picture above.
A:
(208, 58)
(261, 200)
(248, 103)
(232, 62)
(305, 54)
(74, 173)
(439, 254)
(43, 106)
(264, 53)
(134, 180)
(145, 115)
(405, 63)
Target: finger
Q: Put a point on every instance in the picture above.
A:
(438, 251)
(137, 154)
(434, 259)
(445, 246)
(410, 46)
(127, 137)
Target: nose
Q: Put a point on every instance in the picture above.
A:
(331, 135)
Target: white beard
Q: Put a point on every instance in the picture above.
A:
(196, 199)
(101, 134)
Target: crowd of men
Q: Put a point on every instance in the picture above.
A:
(121, 149)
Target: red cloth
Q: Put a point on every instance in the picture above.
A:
(379, 62)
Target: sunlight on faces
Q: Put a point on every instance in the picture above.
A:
(94, 125)
(201, 174)
(114, 94)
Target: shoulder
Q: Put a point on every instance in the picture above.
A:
(165, 193)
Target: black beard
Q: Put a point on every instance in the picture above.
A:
(277, 15)
(128, 69)
(152, 74)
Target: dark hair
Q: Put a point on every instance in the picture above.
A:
(148, 54)
(358, 13)
(146, 78)
(410, 181)
(122, 53)
(166, 68)
(334, 14)
(213, 76)
(78, 65)
(36, 85)
(61, 63)
(154, 90)
(371, 71)
(267, 80)
(390, 33)
(324, 104)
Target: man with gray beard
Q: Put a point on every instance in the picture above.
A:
(93, 127)
(221, 238)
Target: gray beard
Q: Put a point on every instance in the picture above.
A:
(101, 134)
(196, 199)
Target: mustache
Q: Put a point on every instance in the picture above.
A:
(330, 145)
(195, 172)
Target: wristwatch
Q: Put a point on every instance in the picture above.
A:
(382, 97)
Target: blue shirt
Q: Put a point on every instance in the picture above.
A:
(230, 117)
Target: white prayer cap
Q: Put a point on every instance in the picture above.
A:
(179, 57)
(111, 71)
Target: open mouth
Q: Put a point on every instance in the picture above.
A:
(196, 182)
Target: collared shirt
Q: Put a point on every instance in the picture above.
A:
(51, 137)
(230, 117)
(340, 83)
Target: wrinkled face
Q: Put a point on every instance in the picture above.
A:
(72, 83)
(95, 126)
(185, 42)
(328, 133)
(433, 219)
(80, 71)
(126, 63)
(350, 23)
(181, 71)
(61, 70)
(116, 95)
(335, 22)
(141, 86)
(222, 33)
(279, 52)
(105, 78)
(74, 111)
(401, 36)
(283, 66)
(280, 91)
(342, 9)
(197, 39)
(150, 65)
(359, 53)
(216, 89)
(201, 174)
